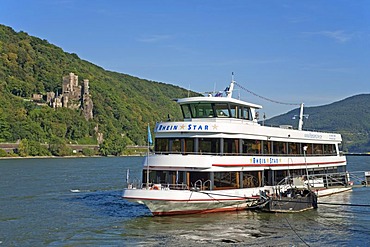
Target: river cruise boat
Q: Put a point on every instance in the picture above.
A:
(220, 158)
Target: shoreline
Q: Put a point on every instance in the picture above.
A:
(357, 154)
(67, 157)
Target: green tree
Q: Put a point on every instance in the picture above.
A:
(113, 146)
(31, 148)
(58, 147)
(88, 152)
(35, 149)
(3, 153)
(23, 148)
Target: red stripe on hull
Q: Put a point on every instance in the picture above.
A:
(187, 200)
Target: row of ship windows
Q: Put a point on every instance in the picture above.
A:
(242, 179)
(239, 147)
(204, 110)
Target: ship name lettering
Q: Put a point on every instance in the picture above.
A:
(162, 127)
(313, 136)
(168, 127)
(197, 127)
(265, 160)
(274, 161)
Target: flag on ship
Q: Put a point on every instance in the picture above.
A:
(150, 141)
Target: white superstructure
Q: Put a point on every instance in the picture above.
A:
(219, 158)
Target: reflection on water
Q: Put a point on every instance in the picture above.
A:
(207, 228)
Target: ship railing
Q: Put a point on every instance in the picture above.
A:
(353, 178)
(324, 180)
(327, 180)
(202, 185)
(246, 154)
(177, 186)
(295, 128)
(359, 178)
(159, 186)
(134, 184)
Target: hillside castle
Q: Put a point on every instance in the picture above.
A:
(73, 96)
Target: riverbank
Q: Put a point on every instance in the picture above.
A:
(69, 157)
(10, 151)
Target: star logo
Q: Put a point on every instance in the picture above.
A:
(182, 127)
(214, 127)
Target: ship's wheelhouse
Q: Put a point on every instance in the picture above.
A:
(218, 109)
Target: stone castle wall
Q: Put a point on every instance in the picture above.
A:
(73, 96)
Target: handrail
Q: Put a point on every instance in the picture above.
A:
(196, 182)
(328, 179)
(242, 154)
(204, 184)
(165, 186)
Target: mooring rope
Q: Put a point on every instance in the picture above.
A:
(345, 204)
(218, 194)
(296, 232)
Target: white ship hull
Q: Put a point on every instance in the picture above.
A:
(173, 202)
(178, 202)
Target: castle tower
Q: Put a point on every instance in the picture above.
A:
(87, 103)
(49, 97)
(65, 101)
(69, 83)
(86, 87)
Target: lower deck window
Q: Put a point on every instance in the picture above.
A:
(233, 146)
(252, 146)
(241, 179)
(226, 180)
(209, 146)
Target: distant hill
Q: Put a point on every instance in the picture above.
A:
(350, 117)
(123, 104)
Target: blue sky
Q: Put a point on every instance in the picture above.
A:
(315, 52)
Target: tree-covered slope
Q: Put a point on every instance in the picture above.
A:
(123, 104)
(350, 117)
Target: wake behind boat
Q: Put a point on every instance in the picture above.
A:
(219, 158)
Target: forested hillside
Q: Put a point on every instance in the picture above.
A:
(123, 104)
(350, 117)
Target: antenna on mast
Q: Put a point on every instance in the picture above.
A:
(229, 90)
(301, 116)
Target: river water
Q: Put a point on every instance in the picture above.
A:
(77, 202)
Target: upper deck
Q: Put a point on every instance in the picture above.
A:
(212, 99)
(217, 116)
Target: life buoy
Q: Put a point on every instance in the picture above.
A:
(154, 187)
